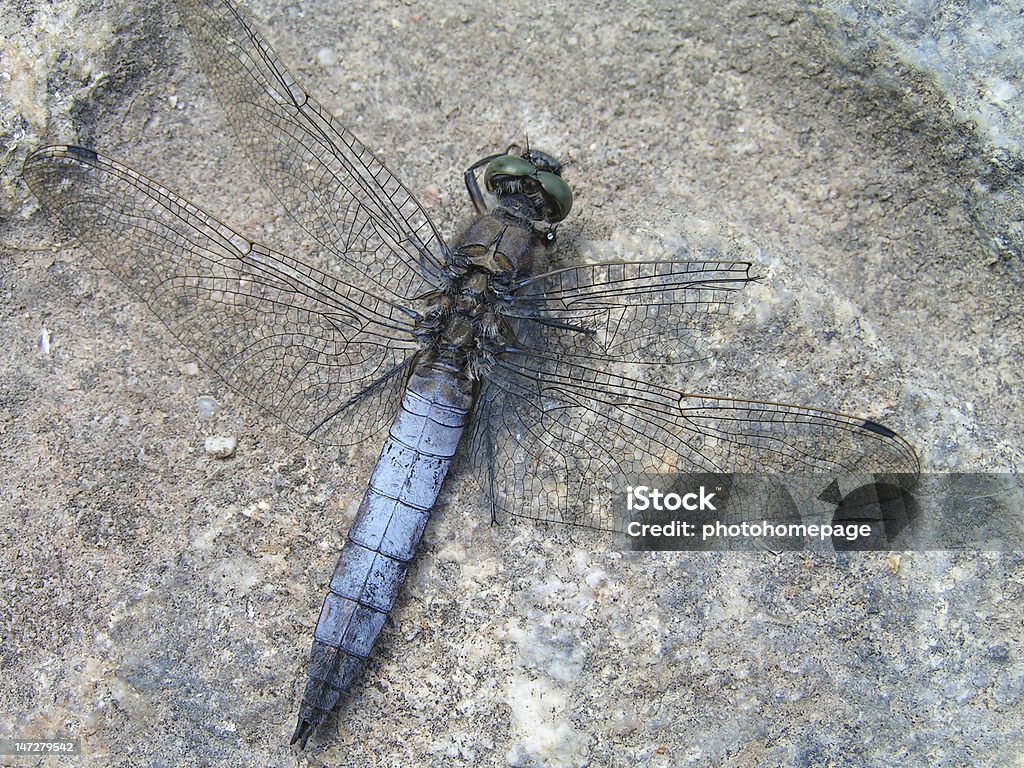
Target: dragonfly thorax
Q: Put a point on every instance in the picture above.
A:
(466, 328)
(465, 322)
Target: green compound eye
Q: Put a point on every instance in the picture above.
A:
(507, 165)
(558, 191)
(513, 166)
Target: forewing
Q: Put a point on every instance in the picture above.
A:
(557, 436)
(643, 312)
(344, 197)
(301, 343)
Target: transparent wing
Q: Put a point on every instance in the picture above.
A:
(647, 312)
(331, 184)
(303, 344)
(555, 436)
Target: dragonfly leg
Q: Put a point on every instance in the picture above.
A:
(473, 186)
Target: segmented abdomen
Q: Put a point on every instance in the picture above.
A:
(387, 529)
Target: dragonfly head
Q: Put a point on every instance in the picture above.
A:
(534, 174)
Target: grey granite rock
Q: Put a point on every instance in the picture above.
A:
(970, 56)
(158, 602)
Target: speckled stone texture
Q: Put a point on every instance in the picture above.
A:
(158, 601)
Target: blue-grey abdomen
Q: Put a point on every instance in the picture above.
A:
(388, 526)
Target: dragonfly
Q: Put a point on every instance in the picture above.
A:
(428, 344)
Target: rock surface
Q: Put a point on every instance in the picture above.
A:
(158, 602)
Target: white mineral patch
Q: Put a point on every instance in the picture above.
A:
(545, 734)
(452, 552)
(326, 57)
(221, 446)
(207, 407)
(236, 576)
